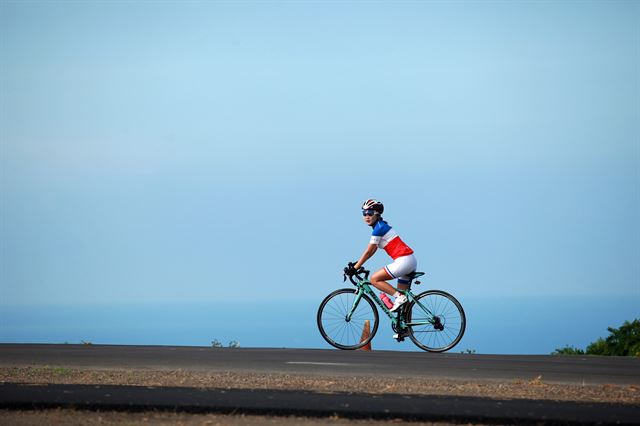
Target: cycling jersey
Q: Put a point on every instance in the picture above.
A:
(386, 238)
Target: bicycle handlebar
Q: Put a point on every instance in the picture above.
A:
(357, 275)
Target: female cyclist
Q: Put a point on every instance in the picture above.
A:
(384, 237)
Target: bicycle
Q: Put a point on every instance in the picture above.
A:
(434, 320)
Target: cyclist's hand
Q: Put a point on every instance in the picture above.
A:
(350, 270)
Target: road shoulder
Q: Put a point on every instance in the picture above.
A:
(535, 389)
(314, 404)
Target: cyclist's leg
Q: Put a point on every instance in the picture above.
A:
(403, 283)
(401, 267)
(379, 281)
(397, 269)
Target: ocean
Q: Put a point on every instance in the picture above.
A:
(494, 326)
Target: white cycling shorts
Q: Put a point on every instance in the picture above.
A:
(401, 267)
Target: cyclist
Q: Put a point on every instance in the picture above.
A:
(384, 237)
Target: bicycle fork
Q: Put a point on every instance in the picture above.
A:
(356, 301)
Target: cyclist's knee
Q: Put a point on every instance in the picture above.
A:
(375, 278)
(380, 275)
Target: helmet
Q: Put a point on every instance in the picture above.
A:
(373, 205)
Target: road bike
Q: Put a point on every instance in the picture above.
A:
(434, 320)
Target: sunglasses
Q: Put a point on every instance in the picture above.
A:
(369, 212)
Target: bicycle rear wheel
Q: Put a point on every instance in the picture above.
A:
(334, 326)
(441, 321)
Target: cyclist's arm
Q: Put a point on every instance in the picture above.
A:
(369, 251)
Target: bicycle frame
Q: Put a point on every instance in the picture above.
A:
(364, 287)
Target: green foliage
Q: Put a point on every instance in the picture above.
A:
(568, 350)
(232, 344)
(623, 341)
(58, 371)
(61, 371)
(599, 347)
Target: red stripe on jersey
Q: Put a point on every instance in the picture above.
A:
(397, 248)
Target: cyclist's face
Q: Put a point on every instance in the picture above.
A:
(370, 220)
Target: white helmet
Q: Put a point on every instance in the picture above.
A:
(372, 204)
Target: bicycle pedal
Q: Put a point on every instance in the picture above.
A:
(400, 336)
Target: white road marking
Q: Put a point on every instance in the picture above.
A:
(319, 363)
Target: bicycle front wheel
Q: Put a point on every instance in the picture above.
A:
(436, 321)
(343, 332)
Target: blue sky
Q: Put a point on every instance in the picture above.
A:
(165, 152)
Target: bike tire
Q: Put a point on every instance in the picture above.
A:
(332, 322)
(452, 319)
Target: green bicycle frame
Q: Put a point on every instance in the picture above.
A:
(364, 287)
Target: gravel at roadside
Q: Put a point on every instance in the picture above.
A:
(107, 418)
(534, 389)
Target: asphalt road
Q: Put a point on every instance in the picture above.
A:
(406, 407)
(553, 369)
(558, 369)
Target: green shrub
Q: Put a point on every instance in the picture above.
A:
(568, 350)
(599, 347)
(623, 341)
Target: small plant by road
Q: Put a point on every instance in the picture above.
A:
(215, 343)
(52, 371)
(61, 371)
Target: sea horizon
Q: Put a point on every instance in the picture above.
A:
(510, 325)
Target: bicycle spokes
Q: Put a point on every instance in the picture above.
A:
(343, 318)
(437, 321)
(434, 320)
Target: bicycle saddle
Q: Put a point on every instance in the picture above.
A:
(415, 274)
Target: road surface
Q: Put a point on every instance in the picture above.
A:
(554, 369)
